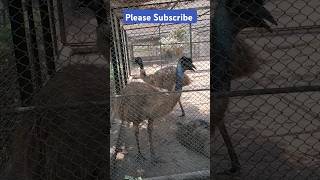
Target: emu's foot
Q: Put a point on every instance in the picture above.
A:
(182, 115)
(231, 172)
(140, 157)
(156, 159)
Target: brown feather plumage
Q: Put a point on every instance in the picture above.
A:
(143, 107)
(246, 61)
(64, 143)
(164, 78)
(135, 108)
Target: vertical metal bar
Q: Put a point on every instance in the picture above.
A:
(190, 39)
(61, 22)
(47, 39)
(125, 52)
(124, 68)
(21, 51)
(128, 54)
(34, 45)
(114, 58)
(53, 26)
(131, 52)
(118, 49)
(160, 46)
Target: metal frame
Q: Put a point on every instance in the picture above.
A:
(34, 45)
(121, 50)
(21, 51)
(117, 48)
(114, 58)
(47, 38)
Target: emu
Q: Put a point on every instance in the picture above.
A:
(164, 78)
(60, 141)
(229, 19)
(65, 137)
(153, 104)
(245, 63)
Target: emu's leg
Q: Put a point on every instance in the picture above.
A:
(140, 156)
(220, 107)
(182, 110)
(155, 159)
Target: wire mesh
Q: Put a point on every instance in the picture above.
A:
(49, 90)
(149, 115)
(269, 118)
(54, 65)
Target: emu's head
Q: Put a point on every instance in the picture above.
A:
(230, 17)
(249, 13)
(139, 61)
(187, 63)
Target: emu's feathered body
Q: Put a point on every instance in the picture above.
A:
(138, 108)
(64, 142)
(229, 19)
(246, 61)
(153, 104)
(164, 78)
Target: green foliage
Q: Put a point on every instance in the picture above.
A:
(173, 43)
(180, 35)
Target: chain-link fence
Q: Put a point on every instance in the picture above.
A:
(151, 116)
(53, 94)
(54, 65)
(273, 115)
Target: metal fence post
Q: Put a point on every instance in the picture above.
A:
(34, 44)
(127, 51)
(126, 58)
(21, 51)
(160, 46)
(190, 39)
(114, 58)
(61, 22)
(47, 39)
(53, 26)
(118, 50)
(122, 55)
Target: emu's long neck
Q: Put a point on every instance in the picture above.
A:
(143, 73)
(223, 35)
(179, 77)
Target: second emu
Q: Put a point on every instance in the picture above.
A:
(229, 19)
(153, 104)
(164, 78)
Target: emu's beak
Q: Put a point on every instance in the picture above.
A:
(262, 13)
(193, 67)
